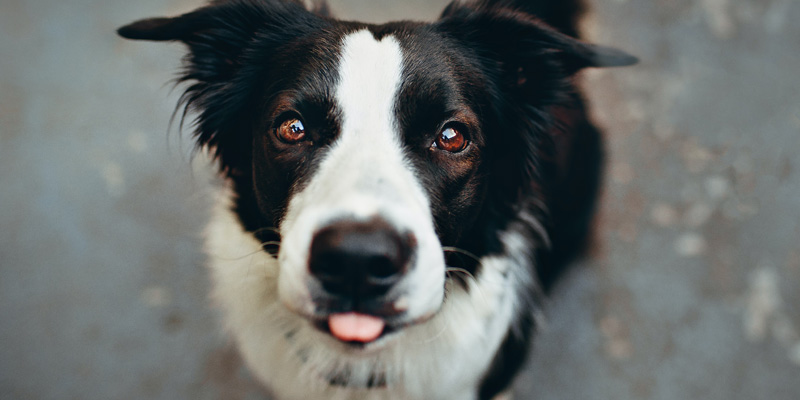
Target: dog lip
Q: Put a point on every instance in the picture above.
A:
(392, 311)
(323, 326)
(393, 325)
(355, 326)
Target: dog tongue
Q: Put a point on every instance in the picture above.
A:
(355, 327)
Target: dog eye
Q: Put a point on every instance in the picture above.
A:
(451, 139)
(291, 131)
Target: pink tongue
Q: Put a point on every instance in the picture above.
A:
(355, 327)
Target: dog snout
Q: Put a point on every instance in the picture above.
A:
(359, 260)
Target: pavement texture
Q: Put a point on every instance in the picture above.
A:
(692, 290)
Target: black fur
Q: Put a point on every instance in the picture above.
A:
(501, 70)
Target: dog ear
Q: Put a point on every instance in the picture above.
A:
(532, 65)
(161, 29)
(229, 44)
(515, 37)
(217, 33)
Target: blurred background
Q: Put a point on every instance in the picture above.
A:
(691, 292)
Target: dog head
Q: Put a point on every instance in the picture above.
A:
(368, 151)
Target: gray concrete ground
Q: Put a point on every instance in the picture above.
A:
(691, 291)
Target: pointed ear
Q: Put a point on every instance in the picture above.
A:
(518, 39)
(230, 44)
(235, 15)
(160, 29)
(578, 54)
(217, 34)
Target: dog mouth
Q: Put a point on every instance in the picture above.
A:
(354, 328)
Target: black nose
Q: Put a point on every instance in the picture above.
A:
(359, 260)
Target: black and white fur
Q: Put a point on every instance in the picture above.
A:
(486, 229)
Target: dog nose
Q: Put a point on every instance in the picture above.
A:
(359, 260)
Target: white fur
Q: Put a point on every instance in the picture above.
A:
(363, 175)
(443, 358)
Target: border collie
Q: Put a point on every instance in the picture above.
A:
(398, 197)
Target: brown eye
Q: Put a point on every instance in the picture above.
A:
(450, 139)
(291, 131)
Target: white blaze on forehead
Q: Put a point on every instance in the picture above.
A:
(368, 155)
(369, 79)
(365, 174)
(374, 176)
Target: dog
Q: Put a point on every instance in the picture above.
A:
(398, 198)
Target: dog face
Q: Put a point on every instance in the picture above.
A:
(358, 235)
(367, 143)
(366, 151)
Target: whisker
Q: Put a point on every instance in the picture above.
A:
(267, 228)
(437, 335)
(272, 243)
(468, 275)
(236, 258)
(441, 321)
(451, 249)
(462, 271)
